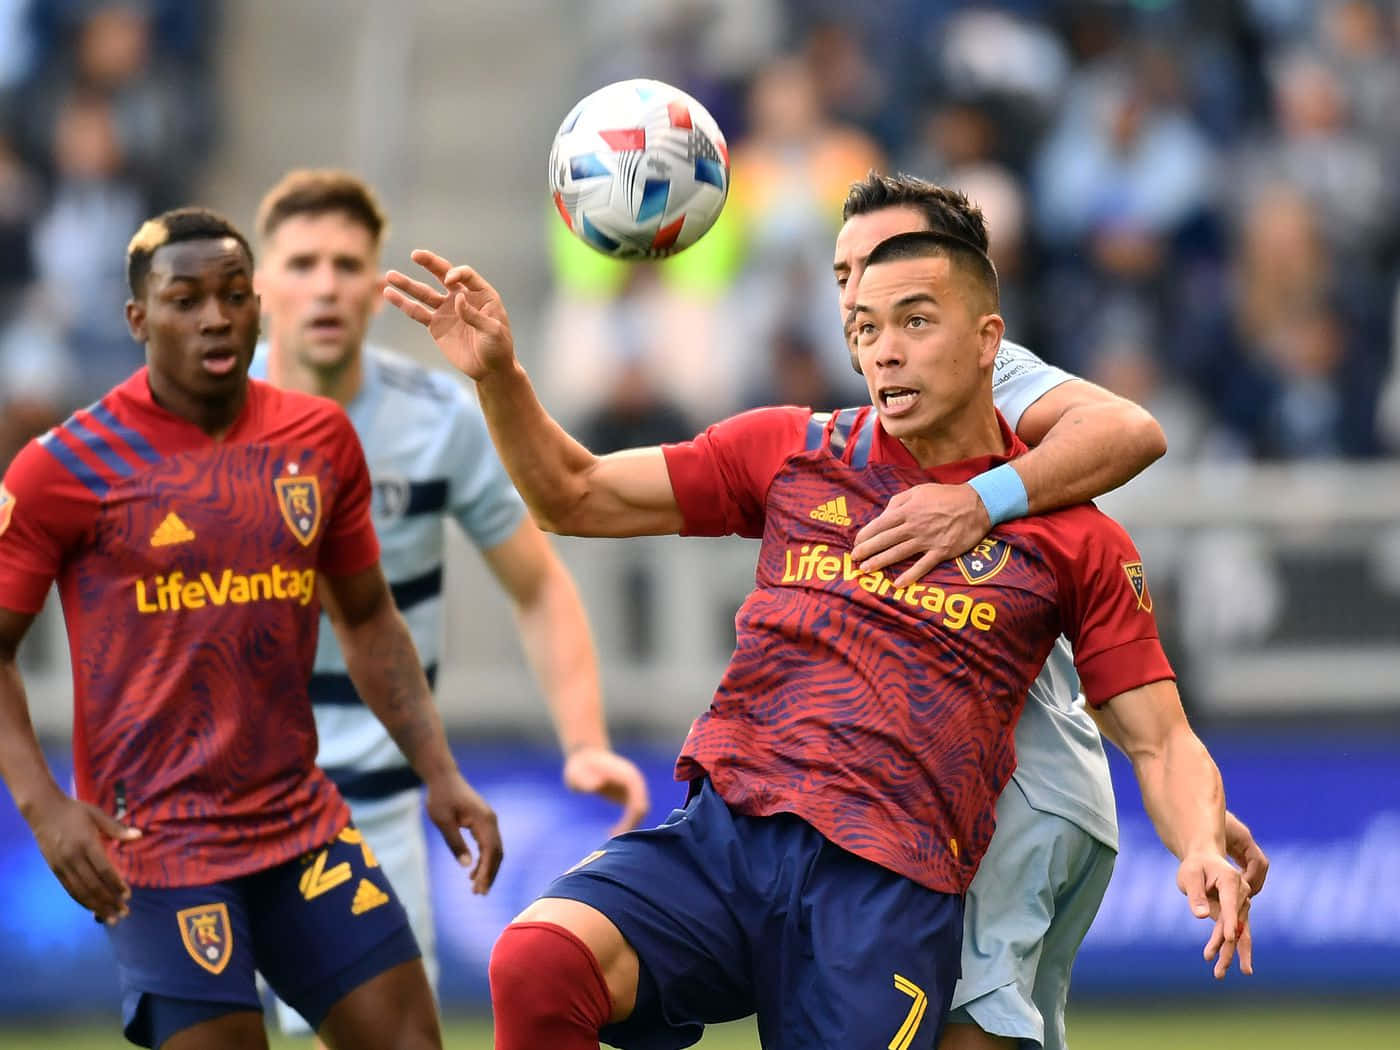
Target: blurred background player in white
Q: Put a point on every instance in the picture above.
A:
(430, 459)
(1048, 866)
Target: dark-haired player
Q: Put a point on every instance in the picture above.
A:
(844, 777)
(191, 519)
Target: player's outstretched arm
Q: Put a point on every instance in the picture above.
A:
(1183, 794)
(568, 489)
(559, 645)
(1084, 440)
(387, 673)
(69, 832)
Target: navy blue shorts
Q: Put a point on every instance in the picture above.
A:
(316, 927)
(733, 915)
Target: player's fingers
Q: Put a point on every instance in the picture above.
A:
(1217, 938)
(431, 261)
(1193, 884)
(637, 802)
(415, 310)
(468, 278)
(424, 293)
(100, 898)
(110, 826)
(1244, 946)
(896, 552)
(920, 568)
(490, 854)
(1256, 870)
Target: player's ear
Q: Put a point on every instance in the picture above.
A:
(990, 329)
(136, 319)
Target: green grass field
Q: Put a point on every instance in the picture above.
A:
(1282, 1027)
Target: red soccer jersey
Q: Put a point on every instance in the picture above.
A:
(883, 716)
(187, 570)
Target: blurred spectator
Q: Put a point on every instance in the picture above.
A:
(635, 413)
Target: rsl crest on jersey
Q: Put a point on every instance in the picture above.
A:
(985, 560)
(299, 499)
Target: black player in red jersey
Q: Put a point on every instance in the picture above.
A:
(844, 776)
(192, 520)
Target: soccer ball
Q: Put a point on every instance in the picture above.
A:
(639, 170)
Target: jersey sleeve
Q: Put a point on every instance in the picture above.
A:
(44, 512)
(482, 497)
(1107, 609)
(1020, 379)
(350, 544)
(721, 478)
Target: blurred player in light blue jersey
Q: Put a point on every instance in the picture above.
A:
(430, 459)
(1047, 869)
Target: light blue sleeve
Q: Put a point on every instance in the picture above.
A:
(1019, 379)
(483, 500)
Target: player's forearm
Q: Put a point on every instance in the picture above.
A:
(388, 675)
(1182, 793)
(1092, 449)
(22, 764)
(548, 467)
(559, 647)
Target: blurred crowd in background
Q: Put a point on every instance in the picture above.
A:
(107, 108)
(1191, 202)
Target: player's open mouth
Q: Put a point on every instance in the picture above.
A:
(898, 399)
(221, 363)
(326, 325)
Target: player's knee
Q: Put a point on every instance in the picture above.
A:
(543, 975)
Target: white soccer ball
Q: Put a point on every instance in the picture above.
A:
(639, 170)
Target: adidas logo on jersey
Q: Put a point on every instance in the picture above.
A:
(832, 511)
(171, 531)
(368, 896)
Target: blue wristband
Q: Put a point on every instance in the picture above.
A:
(1003, 493)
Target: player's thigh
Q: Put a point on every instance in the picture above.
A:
(235, 1031)
(865, 958)
(679, 897)
(328, 922)
(393, 827)
(392, 1011)
(185, 956)
(1076, 906)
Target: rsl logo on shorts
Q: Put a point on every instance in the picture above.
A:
(7, 508)
(299, 500)
(207, 935)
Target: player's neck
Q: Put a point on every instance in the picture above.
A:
(972, 432)
(340, 384)
(214, 416)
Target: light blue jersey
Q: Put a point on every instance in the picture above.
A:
(430, 458)
(1060, 761)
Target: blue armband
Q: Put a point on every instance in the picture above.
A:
(1003, 493)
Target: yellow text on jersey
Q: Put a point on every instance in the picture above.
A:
(177, 592)
(819, 562)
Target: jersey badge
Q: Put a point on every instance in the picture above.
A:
(7, 508)
(368, 896)
(207, 934)
(299, 499)
(833, 511)
(171, 531)
(394, 494)
(1137, 579)
(985, 560)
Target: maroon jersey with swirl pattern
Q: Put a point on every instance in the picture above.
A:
(883, 716)
(187, 570)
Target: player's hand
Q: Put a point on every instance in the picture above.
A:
(70, 836)
(1244, 851)
(464, 314)
(598, 771)
(935, 522)
(452, 805)
(1217, 890)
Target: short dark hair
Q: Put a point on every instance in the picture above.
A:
(179, 224)
(926, 244)
(945, 209)
(316, 191)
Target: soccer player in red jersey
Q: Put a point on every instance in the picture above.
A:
(843, 780)
(193, 520)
